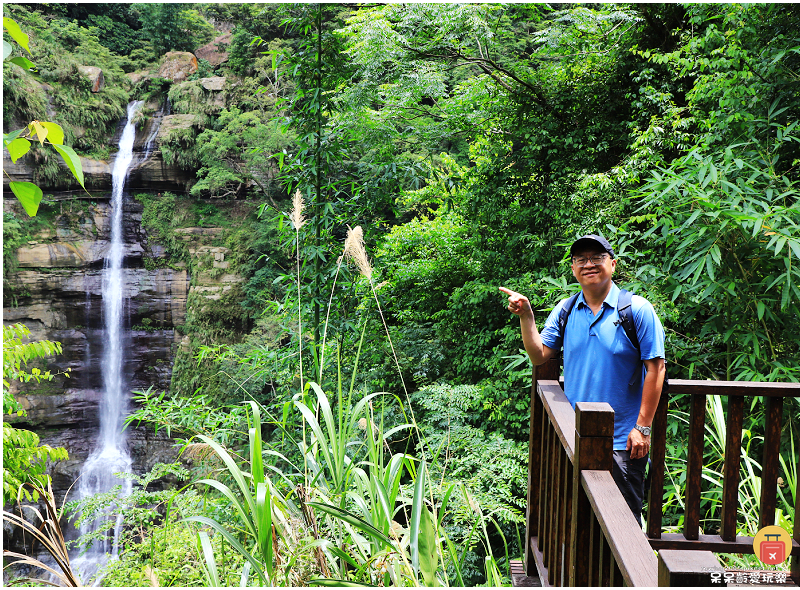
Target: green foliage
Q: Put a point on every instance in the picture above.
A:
(173, 27)
(729, 222)
(24, 459)
(160, 218)
(88, 119)
(236, 154)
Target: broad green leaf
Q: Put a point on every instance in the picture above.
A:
(360, 524)
(39, 131)
(7, 137)
(264, 525)
(210, 564)
(7, 49)
(28, 194)
(16, 33)
(23, 62)
(55, 134)
(428, 554)
(72, 160)
(710, 266)
(418, 505)
(18, 148)
(794, 244)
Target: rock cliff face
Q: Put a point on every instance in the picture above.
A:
(56, 290)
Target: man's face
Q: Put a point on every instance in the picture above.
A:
(593, 272)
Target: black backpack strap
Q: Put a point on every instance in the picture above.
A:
(625, 312)
(563, 315)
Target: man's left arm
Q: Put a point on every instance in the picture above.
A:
(638, 443)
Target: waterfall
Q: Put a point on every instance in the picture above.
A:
(110, 456)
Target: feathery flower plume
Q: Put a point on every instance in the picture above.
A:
(297, 210)
(355, 251)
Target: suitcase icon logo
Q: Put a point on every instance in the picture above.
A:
(772, 545)
(772, 550)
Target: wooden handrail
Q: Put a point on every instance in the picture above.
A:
(569, 520)
(727, 541)
(561, 414)
(635, 558)
(740, 388)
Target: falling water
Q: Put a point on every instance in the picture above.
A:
(111, 454)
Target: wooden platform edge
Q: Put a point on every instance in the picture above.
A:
(519, 579)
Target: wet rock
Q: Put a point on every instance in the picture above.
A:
(95, 76)
(216, 51)
(216, 83)
(177, 66)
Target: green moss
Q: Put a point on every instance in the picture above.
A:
(160, 219)
(89, 119)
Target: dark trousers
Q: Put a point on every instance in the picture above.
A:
(629, 476)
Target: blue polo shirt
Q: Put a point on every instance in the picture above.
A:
(600, 363)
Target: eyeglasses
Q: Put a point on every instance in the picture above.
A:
(597, 260)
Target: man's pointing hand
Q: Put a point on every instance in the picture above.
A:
(518, 304)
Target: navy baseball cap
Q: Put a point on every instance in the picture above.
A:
(591, 241)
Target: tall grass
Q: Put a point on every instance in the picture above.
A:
(350, 519)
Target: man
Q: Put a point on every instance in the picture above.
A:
(600, 363)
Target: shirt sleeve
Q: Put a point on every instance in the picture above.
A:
(648, 329)
(551, 335)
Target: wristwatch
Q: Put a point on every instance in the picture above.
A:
(645, 430)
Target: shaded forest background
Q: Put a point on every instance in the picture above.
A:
(472, 144)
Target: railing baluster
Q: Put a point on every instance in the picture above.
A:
(594, 444)
(595, 539)
(730, 486)
(616, 574)
(534, 473)
(770, 462)
(553, 558)
(658, 453)
(544, 497)
(606, 557)
(694, 479)
(548, 532)
(566, 524)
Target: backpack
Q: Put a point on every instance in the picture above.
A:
(625, 312)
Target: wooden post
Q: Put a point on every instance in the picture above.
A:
(770, 465)
(658, 453)
(694, 467)
(688, 568)
(594, 446)
(730, 485)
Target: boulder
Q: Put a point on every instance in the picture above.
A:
(172, 123)
(215, 83)
(95, 76)
(177, 66)
(136, 77)
(215, 52)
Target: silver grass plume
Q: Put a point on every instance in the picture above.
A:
(355, 251)
(297, 210)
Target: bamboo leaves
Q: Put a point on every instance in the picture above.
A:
(734, 251)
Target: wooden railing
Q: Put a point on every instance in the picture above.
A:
(726, 541)
(580, 531)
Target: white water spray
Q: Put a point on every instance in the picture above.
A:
(111, 454)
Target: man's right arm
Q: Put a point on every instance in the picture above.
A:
(519, 305)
